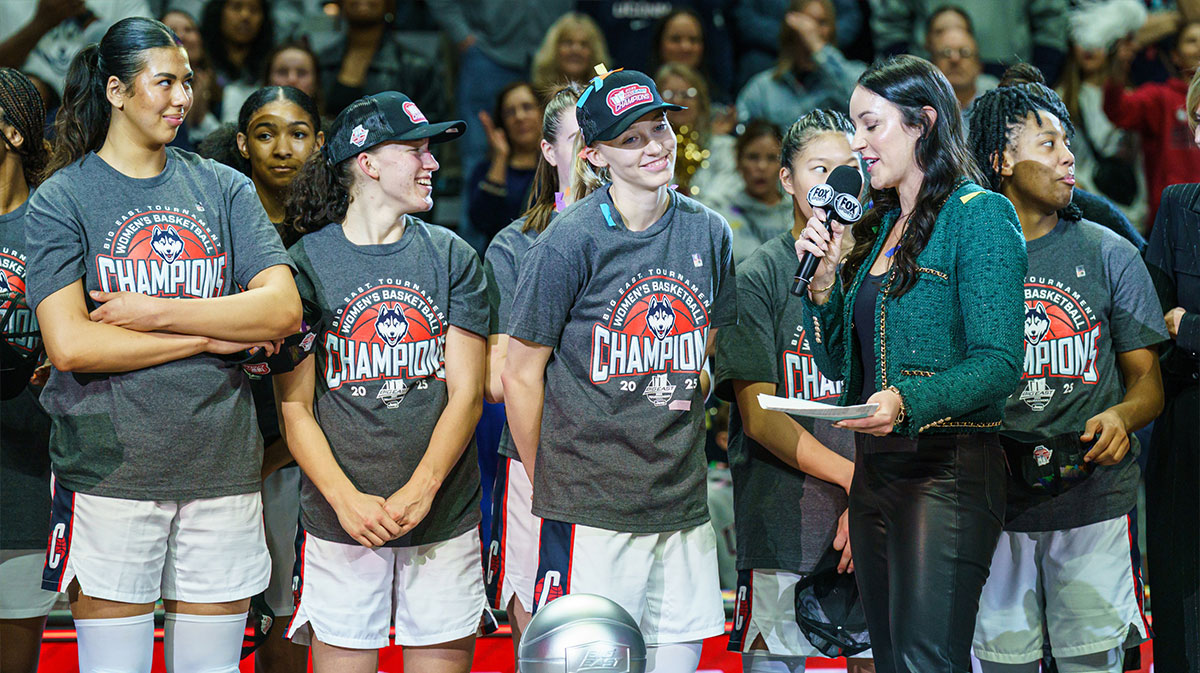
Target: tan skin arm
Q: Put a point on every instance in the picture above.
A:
(464, 362)
(788, 441)
(497, 350)
(524, 380)
(1142, 403)
(268, 309)
(75, 343)
(362, 516)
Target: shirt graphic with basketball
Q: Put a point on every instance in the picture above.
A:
(24, 426)
(1088, 297)
(785, 519)
(628, 314)
(381, 380)
(196, 230)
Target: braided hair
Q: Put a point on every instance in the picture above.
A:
(21, 107)
(997, 115)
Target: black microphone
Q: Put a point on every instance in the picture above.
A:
(841, 190)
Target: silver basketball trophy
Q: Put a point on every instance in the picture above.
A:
(582, 633)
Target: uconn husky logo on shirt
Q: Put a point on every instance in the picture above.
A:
(801, 378)
(658, 325)
(387, 331)
(162, 251)
(1061, 335)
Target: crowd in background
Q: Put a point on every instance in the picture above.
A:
(744, 69)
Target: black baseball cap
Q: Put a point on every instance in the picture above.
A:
(616, 100)
(829, 610)
(381, 117)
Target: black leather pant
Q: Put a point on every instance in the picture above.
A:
(923, 527)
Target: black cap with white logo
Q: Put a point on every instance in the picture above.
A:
(614, 101)
(390, 115)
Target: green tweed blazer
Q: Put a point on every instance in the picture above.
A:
(952, 345)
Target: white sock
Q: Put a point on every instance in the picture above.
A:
(762, 661)
(1111, 661)
(121, 645)
(203, 643)
(673, 657)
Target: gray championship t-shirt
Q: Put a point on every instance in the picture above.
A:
(1088, 297)
(183, 429)
(628, 315)
(785, 519)
(24, 426)
(381, 379)
(502, 263)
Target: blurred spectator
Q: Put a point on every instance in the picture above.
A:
(758, 38)
(955, 52)
(1156, 112)
(757, 212)
(1106, 157)
(572, 47)
(704, 157)
(233, 32)
(631, 26)
(811, 73)
(496, 41)
(294, 64)
(679, 38)
(366, 58)
(289, 64)
(201, 119)
(40, 37)
(1007, 31)
(498, 190)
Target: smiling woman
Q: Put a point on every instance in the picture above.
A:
(125, 228)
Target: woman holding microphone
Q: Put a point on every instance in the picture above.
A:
(924, 319)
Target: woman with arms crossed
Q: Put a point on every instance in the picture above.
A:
(390, 495)
(623, 288)
(155, 452)
(923, 319)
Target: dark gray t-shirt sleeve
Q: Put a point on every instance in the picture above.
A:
(500, 266)
(725, 305)
(1136, 318)
(256, 244)
(747, 351)
(468, 289)
(546, 290)
(54, 239)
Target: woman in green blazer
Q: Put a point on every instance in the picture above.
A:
(925, 319)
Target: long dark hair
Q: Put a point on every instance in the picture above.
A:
(911, 83)
(214, 39)
(21, 107)
(221, 144)
(995, 114)
(82, 121)
(540, 209)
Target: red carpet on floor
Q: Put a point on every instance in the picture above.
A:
(493, 654)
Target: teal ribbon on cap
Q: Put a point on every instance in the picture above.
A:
(593, 85)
